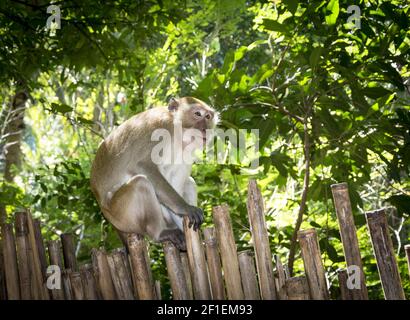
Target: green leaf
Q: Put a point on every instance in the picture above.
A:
(292, 5)
(60, 108)
(315, 56)
(84, 120)
(273, 25)
(315, 224)
(401, 202)
(375, 92)
(333, 7)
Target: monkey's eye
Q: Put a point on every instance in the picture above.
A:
(208, 116)
(198, 113)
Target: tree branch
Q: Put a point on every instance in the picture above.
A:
(302, 207)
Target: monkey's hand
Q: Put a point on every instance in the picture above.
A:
(195, 216)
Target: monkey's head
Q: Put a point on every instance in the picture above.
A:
(193, 113)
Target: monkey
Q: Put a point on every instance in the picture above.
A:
(139, 195)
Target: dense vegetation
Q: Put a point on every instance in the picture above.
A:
(331, 102)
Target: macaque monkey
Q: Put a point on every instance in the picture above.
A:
(139, 194)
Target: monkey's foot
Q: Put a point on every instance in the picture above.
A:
(176, 236)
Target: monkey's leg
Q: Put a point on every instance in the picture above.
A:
(135, 208)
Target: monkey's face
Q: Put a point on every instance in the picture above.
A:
(196, 114)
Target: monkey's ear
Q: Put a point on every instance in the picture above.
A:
(173, 104)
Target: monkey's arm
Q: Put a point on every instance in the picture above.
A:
(168, 197)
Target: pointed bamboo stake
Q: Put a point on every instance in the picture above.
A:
(214, 264)
(197, 263)
(102, 274)
(248, 275)
(349, 237)
(261, 242)
(10, 263)
(54, 252)
(175, 272)
(385, 256)
(312, 261)
(140, 267)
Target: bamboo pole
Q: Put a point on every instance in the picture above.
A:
(175, 272)
(68, 292)
(197, 263)
(281, 279)
(248, 275)
(102, 274)
(10, 263)
(187, 273)
(407, 249)
(23, 254)
(77, 286)
(345, 292)
(260, 242)
(3, 292)
(70, 261)
(214, 264)
(140, 264)
(312, 261)
(39, 289)
(349, 236)
(120, 275)
(56, 260)
(40, 247)
(385, 257)
(297, 288)
(158, 289)
(89, 283)
(229, 255)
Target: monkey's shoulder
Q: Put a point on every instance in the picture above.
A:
(151, 118)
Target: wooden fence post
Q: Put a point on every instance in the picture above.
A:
(10, 263)
(120, 275)
(260, 242)
(280, 279)
(345, 292)
(407, 249)
(385, 257)
(70, 261)
(214, 264)
(102, 274)
(349, 237)
(40, 246)
(89, 283)
(187, 273)
(197, 263)
(229, 255)
(312, 261)
(68, 291)
(297, 288)
(158, 289)
(54, 247)
(39, 289)
(23, 255)
(248, 275)
(77, 286)
(140, 265)
(176, 272)
(3, 292)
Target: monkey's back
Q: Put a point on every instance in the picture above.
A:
(117, 157)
